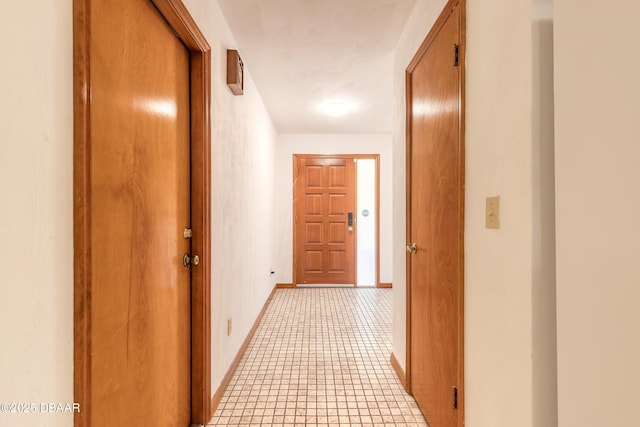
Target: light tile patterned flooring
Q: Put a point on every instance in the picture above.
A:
(320, 357)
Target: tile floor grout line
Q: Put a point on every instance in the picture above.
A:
(319, 357)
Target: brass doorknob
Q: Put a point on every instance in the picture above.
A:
(412, 248)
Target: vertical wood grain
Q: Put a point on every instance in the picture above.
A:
(435, 220)
(81, 214)
(183, 24)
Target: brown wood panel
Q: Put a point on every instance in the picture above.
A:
(337, 203)
(325, 193)
(313, 176)
(313, 203)
(81, 213)
(338, 175)
(337, 261)
(90, 169)
(313, 261)
(176, 14)
(140, 204)
(314, 233)
(285, 285)
(337, 233)
(435, 222)
(201, 225)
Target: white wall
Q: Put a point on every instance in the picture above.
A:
(243, 156)
(597, 64)
(499, 264)
(289, 144)
(36, 220)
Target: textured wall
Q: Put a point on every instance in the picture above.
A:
(36, 219)
(243, 144)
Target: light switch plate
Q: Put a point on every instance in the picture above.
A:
(492, 217)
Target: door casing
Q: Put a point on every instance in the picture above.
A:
(178, 17)
(433, 33)
(375, 157)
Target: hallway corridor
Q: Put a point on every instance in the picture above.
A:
(320, 357)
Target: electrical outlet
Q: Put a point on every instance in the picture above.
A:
(229, 326)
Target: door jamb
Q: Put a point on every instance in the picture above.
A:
(178, 17)
(375, 157)
(446, 12)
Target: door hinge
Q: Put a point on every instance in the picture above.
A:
(296, 219)
(456, 55)
(455, 397)
(296, 171)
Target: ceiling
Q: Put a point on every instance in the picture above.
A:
(303, 54)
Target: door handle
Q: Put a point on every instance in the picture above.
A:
(187, 259)
(350, 221)
(412, 248)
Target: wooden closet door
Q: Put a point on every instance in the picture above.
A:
(435, 224)
(140, 205)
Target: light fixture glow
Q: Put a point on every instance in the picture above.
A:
(336, 108)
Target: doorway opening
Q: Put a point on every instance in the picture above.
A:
(336, 221)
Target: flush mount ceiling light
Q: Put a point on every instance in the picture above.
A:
(336, 108)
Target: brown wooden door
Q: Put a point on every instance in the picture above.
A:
(435, 224)
(140, 204)
(324, 200)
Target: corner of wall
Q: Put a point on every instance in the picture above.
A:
(544, 341)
